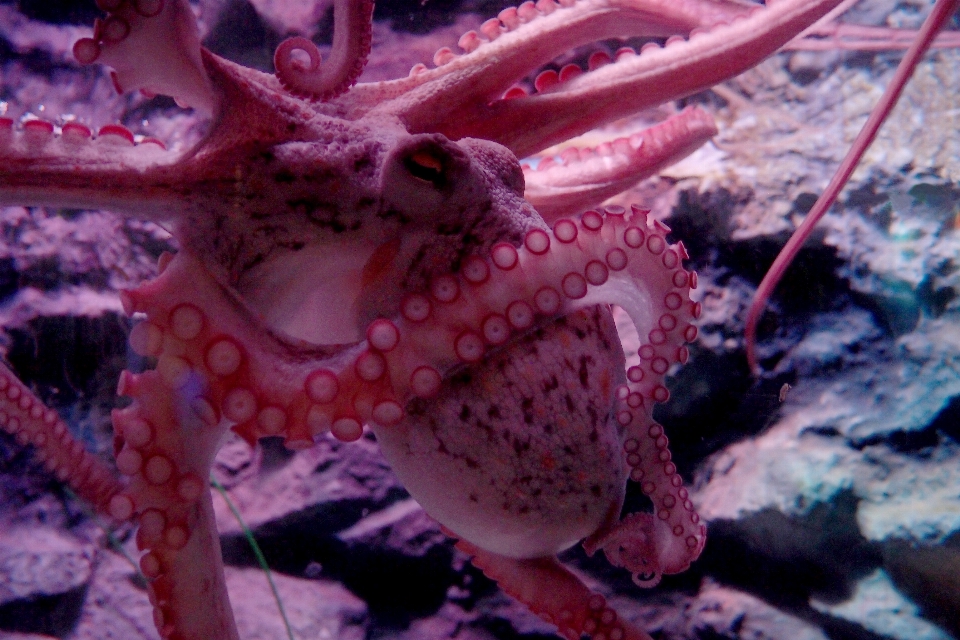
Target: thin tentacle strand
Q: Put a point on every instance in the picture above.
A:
(24, 416)
(939, 15)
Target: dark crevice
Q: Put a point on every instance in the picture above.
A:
(47, 615)
(305, 544)
(67, 359)
(77, 12)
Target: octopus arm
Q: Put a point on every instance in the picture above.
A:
(520, 40)
(631, 83)
(153, 46)
(165, 447)
(552, 592)
(831, 36)
(23, 415)
(165, 443)
(268, 386)
(70, 166)
(352, 35)
(584, 176)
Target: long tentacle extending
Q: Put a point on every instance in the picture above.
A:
(70, 165)
(523, 38)
(586, 176)
(556, 595)
(942, 11)
(136, 36)
(855, 37)
(352, 35)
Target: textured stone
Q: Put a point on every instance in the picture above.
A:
(38, 561)
(878, 606)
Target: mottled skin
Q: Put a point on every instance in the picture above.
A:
(313, 181)
(373, 255)
(526, 439)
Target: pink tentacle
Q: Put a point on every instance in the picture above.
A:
(521, 39)
(266, 390)
(23, 415)
(588, 175)
(352, 36)
(857, 37)
(152, 45)
(625, 86)
(259, 384)
(166, 441)
(670, 539)
(46, 164)
(619, 258)
(557, 596)
(941, 12)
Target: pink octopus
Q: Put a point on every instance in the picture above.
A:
(374, 254)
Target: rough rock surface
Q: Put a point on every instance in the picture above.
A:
(833, 514)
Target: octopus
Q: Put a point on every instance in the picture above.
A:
(374, 254)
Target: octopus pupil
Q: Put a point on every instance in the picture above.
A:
(425, 167)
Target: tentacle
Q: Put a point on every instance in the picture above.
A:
(937, 18)
(589, 175)
(668, 540)
(557, 596)
(526, 37)
(258, 383)
(269, 388)
(165, 442)
(352, 35)
(858, 37)
(23, 415)
(614, 90)
(70, 165)
(154, 46)
(620, 258)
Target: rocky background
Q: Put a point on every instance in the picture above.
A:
(833, 514)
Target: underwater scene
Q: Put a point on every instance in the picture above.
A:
(413, 369)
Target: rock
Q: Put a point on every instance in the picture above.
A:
(37, 561)
(878, 606)
(314, 608)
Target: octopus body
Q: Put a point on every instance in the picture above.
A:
(374, 254)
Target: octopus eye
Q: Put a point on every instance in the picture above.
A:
(426, 166)
(423, 174)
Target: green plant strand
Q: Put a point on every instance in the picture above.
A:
(248, 534)
(111, 538)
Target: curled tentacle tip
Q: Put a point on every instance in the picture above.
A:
(351, 46)
(307, 78)
(288, 63)
(647, 580)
